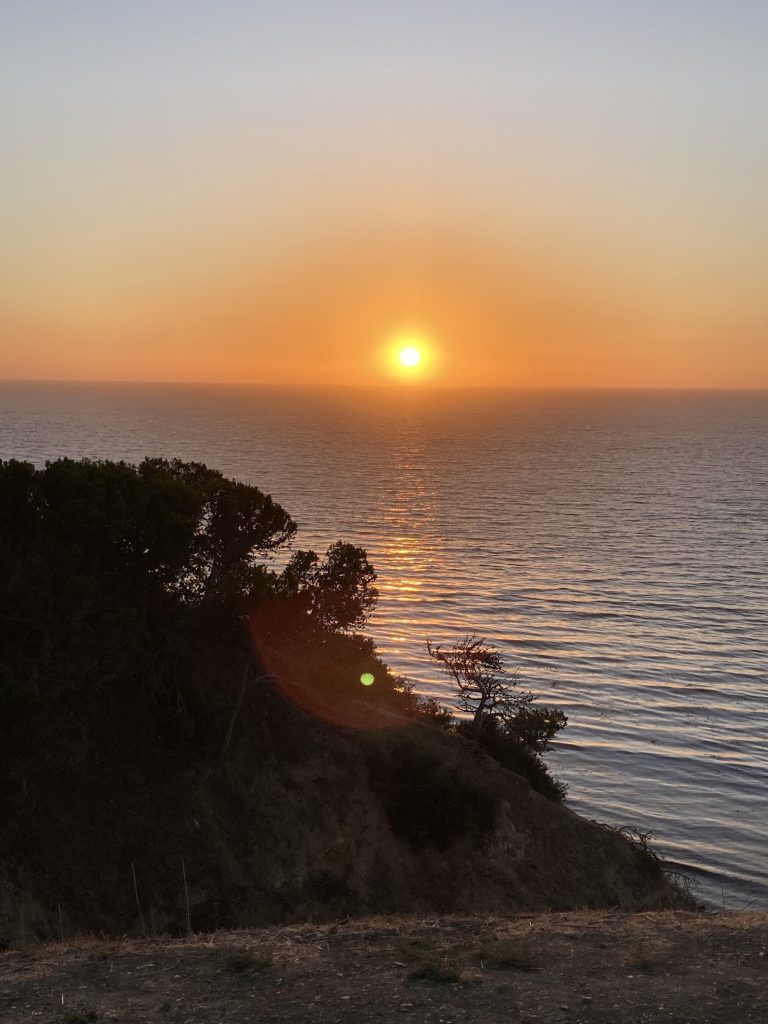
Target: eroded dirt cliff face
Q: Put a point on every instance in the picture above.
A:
(111, 830)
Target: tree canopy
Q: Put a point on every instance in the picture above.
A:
(115, 574)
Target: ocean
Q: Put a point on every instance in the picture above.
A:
(614, 544)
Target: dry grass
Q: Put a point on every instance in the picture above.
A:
(575, 968)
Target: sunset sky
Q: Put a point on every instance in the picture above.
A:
(543, 194)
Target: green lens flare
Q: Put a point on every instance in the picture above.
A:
(367, 679)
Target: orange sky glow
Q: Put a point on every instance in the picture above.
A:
(246, 208)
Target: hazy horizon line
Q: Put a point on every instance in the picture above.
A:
(402, 387)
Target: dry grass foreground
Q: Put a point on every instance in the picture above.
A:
(581, 968)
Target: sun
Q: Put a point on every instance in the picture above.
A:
(409, 356)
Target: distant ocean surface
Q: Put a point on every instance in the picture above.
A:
(615, 544)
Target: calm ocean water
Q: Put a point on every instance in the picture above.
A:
(615, 544)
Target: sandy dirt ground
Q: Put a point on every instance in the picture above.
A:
(574, 968)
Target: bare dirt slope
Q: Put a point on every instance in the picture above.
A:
(571, 968)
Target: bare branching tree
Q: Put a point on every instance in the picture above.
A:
(485, 686)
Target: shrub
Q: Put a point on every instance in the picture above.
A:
(433, 712)
(535, 727)
(497, 740)
(427, 802)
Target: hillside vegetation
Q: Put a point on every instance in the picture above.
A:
(185, 742)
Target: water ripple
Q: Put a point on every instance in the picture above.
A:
(615, 544)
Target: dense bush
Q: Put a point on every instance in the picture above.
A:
(535, 726)
(428, 802)
(500, 741)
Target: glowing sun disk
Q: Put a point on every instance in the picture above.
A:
(410, 356)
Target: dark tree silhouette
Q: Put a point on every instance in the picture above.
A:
(339, 592)
(485, 686)
(505, 722)
(148, 576)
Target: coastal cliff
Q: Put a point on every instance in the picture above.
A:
(185, 743)
(304, 820)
